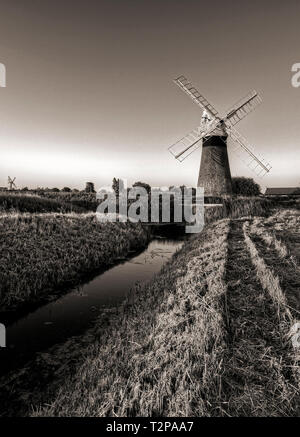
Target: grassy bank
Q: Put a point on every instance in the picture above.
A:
(31, 203)
(209, 336)
(239, 207)
(87, 202)
(42, 253)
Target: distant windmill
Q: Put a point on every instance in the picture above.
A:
(214, 174)
(11, 183)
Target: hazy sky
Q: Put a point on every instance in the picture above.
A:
(90, 95)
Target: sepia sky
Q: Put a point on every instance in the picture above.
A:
(90, 95)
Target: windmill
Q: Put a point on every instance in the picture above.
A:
(214, 174)
(11, 183)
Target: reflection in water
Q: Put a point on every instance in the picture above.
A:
(74, 312)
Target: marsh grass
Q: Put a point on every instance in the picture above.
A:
(32, 203)
(81, 202)
(42, 253)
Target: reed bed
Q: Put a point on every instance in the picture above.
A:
(81, 202)
(31, 203)
(44, 253)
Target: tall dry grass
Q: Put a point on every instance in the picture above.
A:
(42, 253)
(31, 203)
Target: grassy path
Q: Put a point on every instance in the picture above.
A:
(279, 248)
(257, 376)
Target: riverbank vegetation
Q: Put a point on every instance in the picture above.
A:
(81, 202)
(43, 253)
(44, 201)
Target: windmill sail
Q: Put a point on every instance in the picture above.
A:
(243, 149)
(191, 142)
(198, 98)
(242, 108)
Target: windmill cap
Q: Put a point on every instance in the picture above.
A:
(219, 131)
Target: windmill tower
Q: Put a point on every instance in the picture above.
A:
(11, 183)
(214, 174)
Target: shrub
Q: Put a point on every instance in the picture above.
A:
(245, 187)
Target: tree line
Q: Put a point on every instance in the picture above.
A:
(241, 186)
